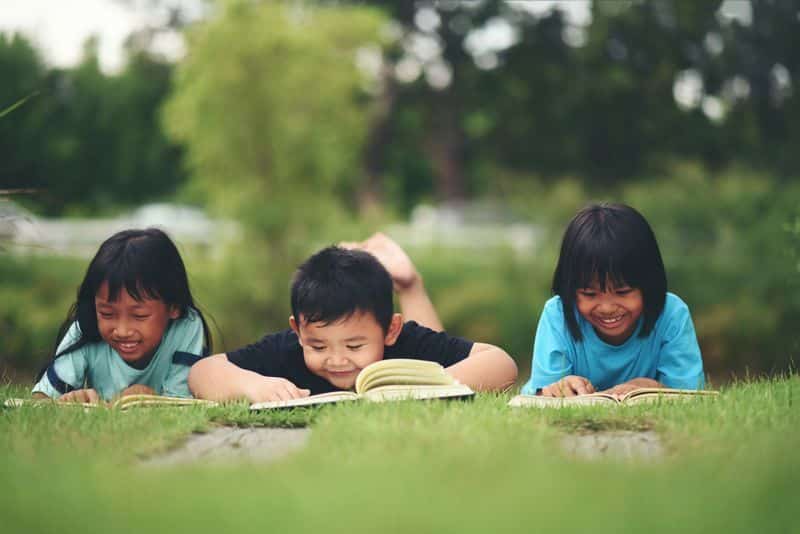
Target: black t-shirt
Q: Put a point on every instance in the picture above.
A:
(281, 355)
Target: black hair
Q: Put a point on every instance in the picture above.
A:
(335, 283)
(146, 264)
(610, 243)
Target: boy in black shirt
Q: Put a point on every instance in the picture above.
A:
(342, 320)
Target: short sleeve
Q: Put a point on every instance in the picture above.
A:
(188, 338)
(680, 364)
(266, 356)
(67, 372)
(551, 360)
(421, 343)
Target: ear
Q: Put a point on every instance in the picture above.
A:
(395, 327)
(294, 326)
(174, 312)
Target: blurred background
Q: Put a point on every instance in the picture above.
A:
(256, 132)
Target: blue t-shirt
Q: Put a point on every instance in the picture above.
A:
(98, 366)
(669, 354)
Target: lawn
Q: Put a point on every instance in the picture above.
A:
(730, 465)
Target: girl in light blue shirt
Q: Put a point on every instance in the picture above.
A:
(134, 327)
(612, 325)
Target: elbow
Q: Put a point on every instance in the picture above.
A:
(510, 371)
(200, 373)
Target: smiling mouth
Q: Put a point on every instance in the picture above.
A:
(128, 346)
(342, 372)
(611, 322)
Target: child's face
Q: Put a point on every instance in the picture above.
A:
(338, 351)
(613, 313)
(133, 328)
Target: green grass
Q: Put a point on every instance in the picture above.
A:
(731, 465)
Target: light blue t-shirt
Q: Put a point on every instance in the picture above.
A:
(669, 354)
(98, 366)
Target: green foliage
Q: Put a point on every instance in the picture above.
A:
(36, 294)
(272, 111)
(88, 141)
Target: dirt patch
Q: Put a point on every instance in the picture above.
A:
(615, 444)
(228, 444)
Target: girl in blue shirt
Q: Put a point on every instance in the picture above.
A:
(612, 325)
(134, 327)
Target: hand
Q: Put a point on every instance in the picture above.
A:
(268, 388)
(89, 396)
(620, 390)
(392, 257)
(137, 389)
(569, 386)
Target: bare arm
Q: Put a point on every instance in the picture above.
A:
(415, 305)
(487, 368)
(216, 378)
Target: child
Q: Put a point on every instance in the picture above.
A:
(612, 325)
(134, 328)
(342, 320)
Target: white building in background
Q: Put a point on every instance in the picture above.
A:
(467, 226)
(186, 225)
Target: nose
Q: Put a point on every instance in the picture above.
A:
(606, 306)
(337, 359)
(121, 329)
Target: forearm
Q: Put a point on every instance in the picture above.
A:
(415, 305)
(216, 378)
(487, 368)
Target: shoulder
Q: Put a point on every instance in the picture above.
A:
(281, 345)
(674, 307)
(675, 314)
(188, 321)
(554, 305)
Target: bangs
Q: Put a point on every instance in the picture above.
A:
(133, 271)
(605, 260)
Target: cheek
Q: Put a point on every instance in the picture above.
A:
(364, 359)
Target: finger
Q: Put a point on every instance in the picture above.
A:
(92, 396)
(590, 387)
(305, 392)
(580, 387)
(568, 388)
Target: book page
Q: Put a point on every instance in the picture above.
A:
(401, 371)
(650, 395)
(131, 401)
(417, 392)
(18, 403)
(313, 400)
(538, 401)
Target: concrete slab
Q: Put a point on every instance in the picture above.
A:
(227, 444)
(616, 444)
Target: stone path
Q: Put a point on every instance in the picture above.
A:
(268, 444)
(616, 444)
(229, 444)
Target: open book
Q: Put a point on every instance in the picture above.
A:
(387, 380)
(637, 396)
(122, 403)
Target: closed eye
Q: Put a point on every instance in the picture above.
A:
(318, 348)
(355, 347)
(141, 317)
